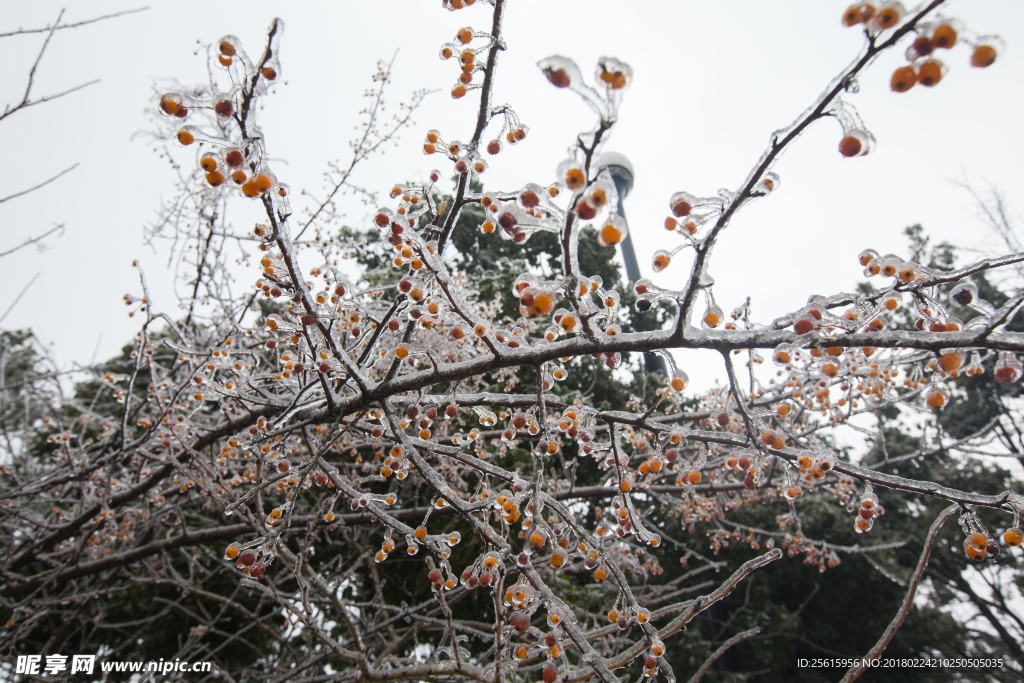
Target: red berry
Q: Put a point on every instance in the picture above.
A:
(850, 146)
(224, 108)
(681, 208)
(559, 78)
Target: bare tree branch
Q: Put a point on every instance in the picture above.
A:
(908, 599)
(58, 26)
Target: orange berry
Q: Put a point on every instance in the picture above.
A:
(944, 36)
(853, 15)
(616, 80)
(249, 189)
(950, 361)
(215, 178)
(420, 533)
(977, 554)
(465, 35)
(208, 164)
(600, 574)
(929, 73)
(543, 304)
(935, 399)
(268, 73)
(677, 384)
(711, 319)
(231, 552)
(903, 79)
(227, 48)
(693, 477)
(611, 235)
(169, 106)
(887, 18)
(238, 177)
(574, 178)
(983, 55)
(224, 60)
(1013, 537)
(458, 91)
(262, 183)
(185, 137)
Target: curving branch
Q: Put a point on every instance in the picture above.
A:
(908, 600)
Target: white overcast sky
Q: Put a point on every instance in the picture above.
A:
(712, 81)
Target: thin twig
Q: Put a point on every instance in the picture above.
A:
(720, 651)
(908, 600)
